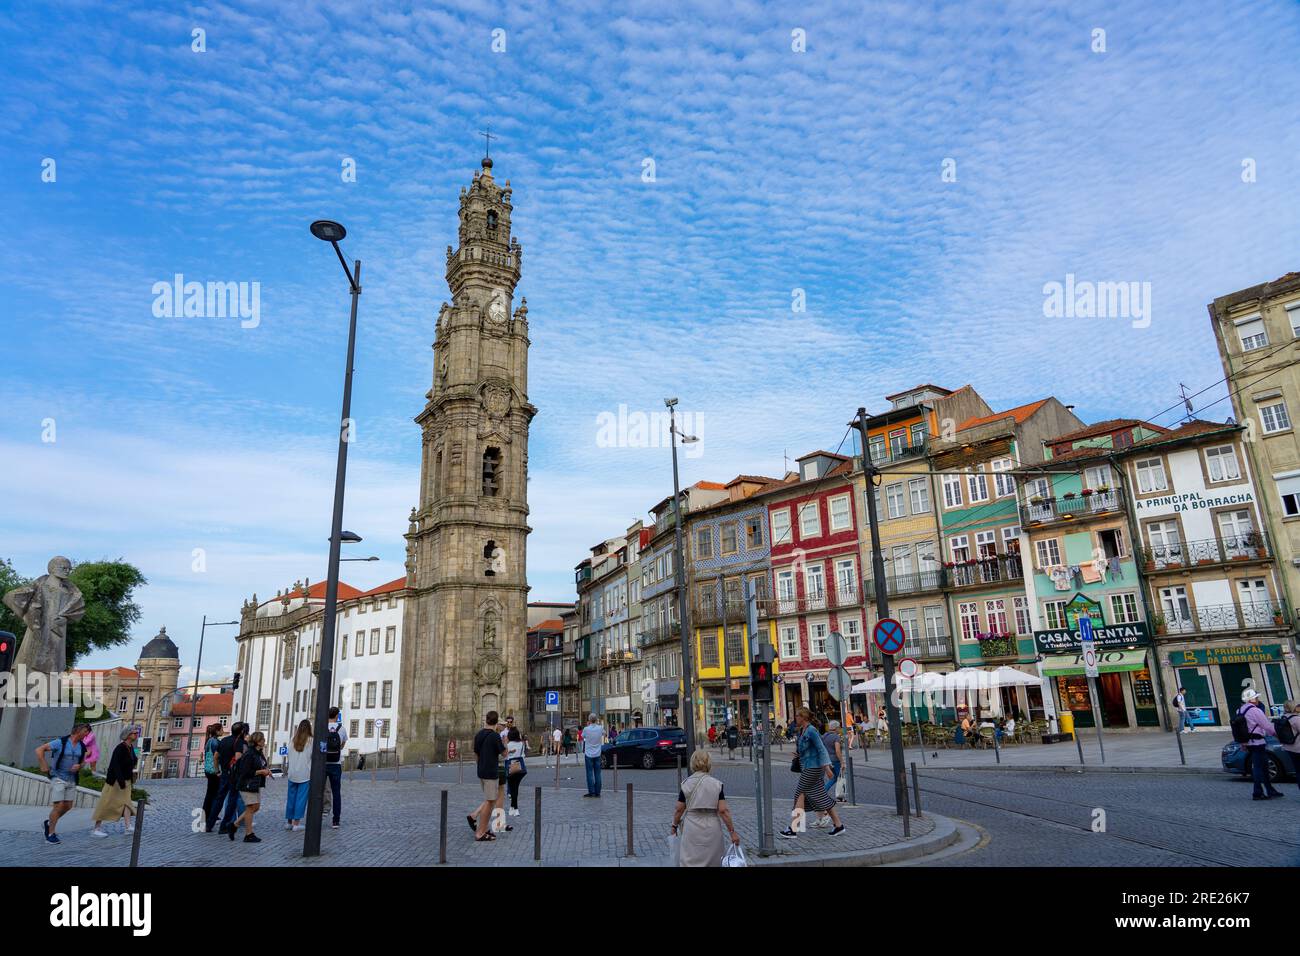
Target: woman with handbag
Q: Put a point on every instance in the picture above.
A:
(700, 815)
(515, 769)
(299, 774)
(250, 776)
(813, 764)
(115, 798)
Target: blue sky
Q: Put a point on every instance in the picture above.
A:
(775, 170)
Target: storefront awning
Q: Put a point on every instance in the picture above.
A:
(1065, 665)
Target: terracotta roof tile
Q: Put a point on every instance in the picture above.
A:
(209, 705)
(396, 584)
(710, 486)
(1019, 413)
(1102, 428)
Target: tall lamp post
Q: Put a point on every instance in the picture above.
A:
(688, 678)
(194, 695)
(331, 232)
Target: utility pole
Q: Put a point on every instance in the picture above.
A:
(726, 659)
(760, 652)
(688, 680)
(870, 473)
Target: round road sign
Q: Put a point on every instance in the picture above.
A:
(907, 667)
(888, 635)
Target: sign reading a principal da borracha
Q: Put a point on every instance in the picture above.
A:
(1192, 501)
(1103, 635)
(1239, 654)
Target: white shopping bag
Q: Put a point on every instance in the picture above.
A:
(839, 788)
(734, 856)
(674, 849)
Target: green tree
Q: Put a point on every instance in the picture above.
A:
(107, 588)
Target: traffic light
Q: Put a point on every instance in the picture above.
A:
(761, 681)
(8, 646)
(234, 685)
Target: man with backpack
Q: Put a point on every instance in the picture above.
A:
(1287, 729)
(67, 753)
(336, 738)
(228, 803)
(1184, 718)
(1250, 728)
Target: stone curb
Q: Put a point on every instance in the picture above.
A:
(1084, 768)
(944, 835)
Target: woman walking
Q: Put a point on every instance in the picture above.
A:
(702, 805)
(250, 775)
(515, 769)
(211, 769)
(115, 799)
(814, 766)
(295, 806)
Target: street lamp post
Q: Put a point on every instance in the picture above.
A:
(194, 696)
(331, 232)
(688, 680)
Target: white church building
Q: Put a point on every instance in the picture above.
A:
(279, 663)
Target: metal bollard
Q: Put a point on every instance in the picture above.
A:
(631, 851)
(616, 770)
(374, 772)
(1182, 757)
(139, 830)
(421, 771)
(997, 751)
(460, 764)
(916, 787)
(442, 829)
(1078, 743)
(679, 771)
(557, 772)
(853, 790)
(537, 823)
(397, 769)
(907, 816)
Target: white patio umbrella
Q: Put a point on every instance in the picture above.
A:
(1005, 676)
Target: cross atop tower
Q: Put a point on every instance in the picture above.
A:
(487, 141)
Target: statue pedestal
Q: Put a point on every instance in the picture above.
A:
(23, 729)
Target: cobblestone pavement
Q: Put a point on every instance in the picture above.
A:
(395, 823)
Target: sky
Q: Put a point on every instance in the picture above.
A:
(773, 213)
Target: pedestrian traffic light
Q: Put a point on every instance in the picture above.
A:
(234, 685)
(8, 645)
(761, 681)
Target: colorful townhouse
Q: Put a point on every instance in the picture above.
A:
(983, 543)
(898, 441)
(1221, 619)
(1083, 563)
(812, 517)
(728, 545)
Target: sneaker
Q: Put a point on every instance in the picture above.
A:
(838, 830)
(297, 827)
(288, 825)
(1276, 793)
(97, 832)
(788, 834)
(52, 838)
(514, 812)
(252, 838)
(822, 823)
(334, 825)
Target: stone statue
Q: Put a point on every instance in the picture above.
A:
(47, 606)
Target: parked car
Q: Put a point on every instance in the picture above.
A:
(646, 747)
(1279, 764)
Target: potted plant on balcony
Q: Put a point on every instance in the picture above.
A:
(1037, 499)
(1148, 560)
(1174, 558)
(1253, 540)
(1068, 496)
(1087, 492)
(1279, 618)
(1103, 489)
(1158, 622)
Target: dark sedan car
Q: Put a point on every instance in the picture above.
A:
(1279, 761)
(646, 747)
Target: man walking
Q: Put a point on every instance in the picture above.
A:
(68, 754)
(488, 748)
(556, 738)
(336, 738)
(1258, 726)
(593, 739)
(229, 752)
(1184, 718)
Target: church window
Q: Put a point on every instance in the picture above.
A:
(491, 472)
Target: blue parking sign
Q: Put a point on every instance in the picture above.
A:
(552, 698)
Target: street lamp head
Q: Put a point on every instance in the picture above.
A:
(328, 230)
(688, 439)
(348, 537)
(670, 402)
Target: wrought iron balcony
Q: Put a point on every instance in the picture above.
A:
(1252, 546)
(890, 454)
(712, 612)
(664, 634)
(981, 571)
(847, 595)
(809, 603)
(1209, 618)
(917, 582)
(1071, 507)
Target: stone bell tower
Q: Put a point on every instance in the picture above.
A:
(464, 628)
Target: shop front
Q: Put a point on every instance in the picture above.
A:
(1214, 676)
(715, 703)
(1125, 694)
(1125, 691)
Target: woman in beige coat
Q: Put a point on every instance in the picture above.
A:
(702, 805)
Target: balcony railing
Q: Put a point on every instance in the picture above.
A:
(814, 601)
(846, 595)
(905, 453)
(981, 571)
(1071, 507)
(1260, 615)
(651, 636)
(915, 583)
(712, 613)
(1252, 546)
